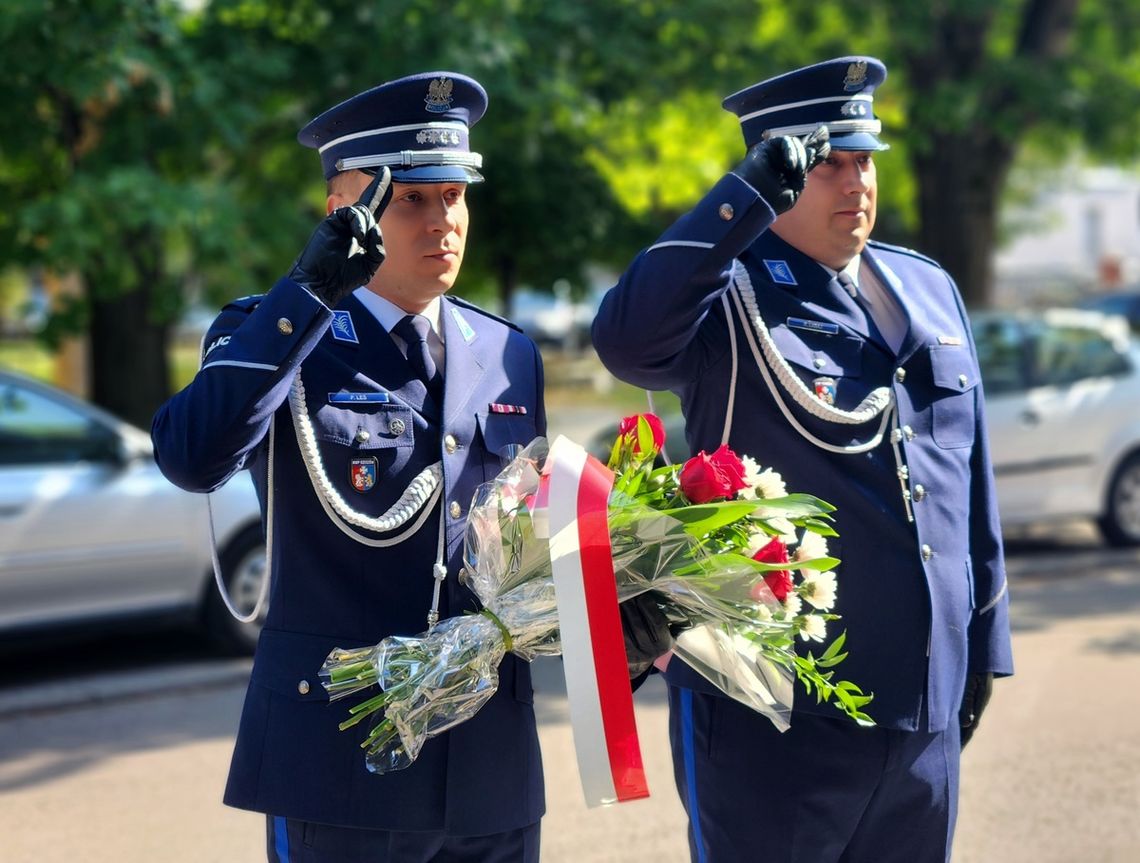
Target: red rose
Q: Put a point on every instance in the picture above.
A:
(628, 429)
(779, 581)
(731, 466)
(706, 477)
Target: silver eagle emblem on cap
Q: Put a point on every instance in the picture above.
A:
(438, 97)
(856, 75)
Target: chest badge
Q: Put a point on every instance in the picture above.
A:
(363, 473)
(825, 390)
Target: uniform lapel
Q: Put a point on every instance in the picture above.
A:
(465, 361)
(893, 286)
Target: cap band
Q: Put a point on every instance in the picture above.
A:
(432, 129)
(411, 158)
(834, 127)
(789, 105)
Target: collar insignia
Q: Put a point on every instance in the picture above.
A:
(464, 327)
(342, 328)
(780, 272)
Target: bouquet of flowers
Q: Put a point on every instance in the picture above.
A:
(737, 564)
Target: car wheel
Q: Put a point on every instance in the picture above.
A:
(243, 571)
(1120, 523)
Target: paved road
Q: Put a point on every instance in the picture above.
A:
(129, 766)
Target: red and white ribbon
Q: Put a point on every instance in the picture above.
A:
(593, 651)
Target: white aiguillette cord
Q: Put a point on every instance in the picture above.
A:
(880, 402)
(420, 496)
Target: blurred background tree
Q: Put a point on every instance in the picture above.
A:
(148, 146)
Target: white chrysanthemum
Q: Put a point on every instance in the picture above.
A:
(812, 546)
(762, 612)
(818, 588)
(785, 530)
(812, 627)
(793, 604)
(751, 472)
(756, 541)
(770, 484)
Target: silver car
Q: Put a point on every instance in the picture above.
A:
(92, 534)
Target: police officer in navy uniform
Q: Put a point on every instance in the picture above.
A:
(368, 406)
(848, 366)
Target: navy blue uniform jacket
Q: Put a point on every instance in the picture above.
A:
(328, 590)
(923, 601)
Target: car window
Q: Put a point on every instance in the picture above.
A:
(35, 429)
(1064, 355)
(1001, 355)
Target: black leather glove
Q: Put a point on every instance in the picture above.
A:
(975, 697)
(346, 249)
(646, 632)
(777, 167)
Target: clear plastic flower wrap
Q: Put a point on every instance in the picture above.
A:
(710, 539)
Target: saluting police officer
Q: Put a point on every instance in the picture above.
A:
(368, 406)
(848, 366)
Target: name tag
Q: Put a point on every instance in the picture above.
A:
(824, 327)
(345, 398)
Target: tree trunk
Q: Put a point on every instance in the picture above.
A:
(960, 183)
(130, 373)
(508, 279)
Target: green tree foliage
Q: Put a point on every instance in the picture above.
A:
(149, 144)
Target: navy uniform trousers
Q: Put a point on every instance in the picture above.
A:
(922, 601)
(374, 427)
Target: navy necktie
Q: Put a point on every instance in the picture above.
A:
(414, 329)
(848, 284)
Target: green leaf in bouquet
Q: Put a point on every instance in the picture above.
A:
(702, 519)
(792, 506)
(645, 443)
(815, 525)
(819, 564)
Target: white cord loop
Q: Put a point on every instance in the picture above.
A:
(424, 487)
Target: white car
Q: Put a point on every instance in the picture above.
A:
(1063, 404)
(92, 534)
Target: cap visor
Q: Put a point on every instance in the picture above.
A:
(858, 141)
(437, 174)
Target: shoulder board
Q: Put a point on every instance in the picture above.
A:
(244, 304)
(902, 250)
(470, 306)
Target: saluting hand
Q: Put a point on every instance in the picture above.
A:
(778, 167)
(347, 248)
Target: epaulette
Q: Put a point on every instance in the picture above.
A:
(467, 304)
(903, 250)
(244, 304)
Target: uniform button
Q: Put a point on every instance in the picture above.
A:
(927, 552)
(726, 212)
(908, 432)
(463, 575)
(362, 435)
(963, 380)
(285, 326)
(900, 374)
(819, 362)
(455, 509)
(303, 687)
(450, 443)
(396, 426)
(919, 492)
